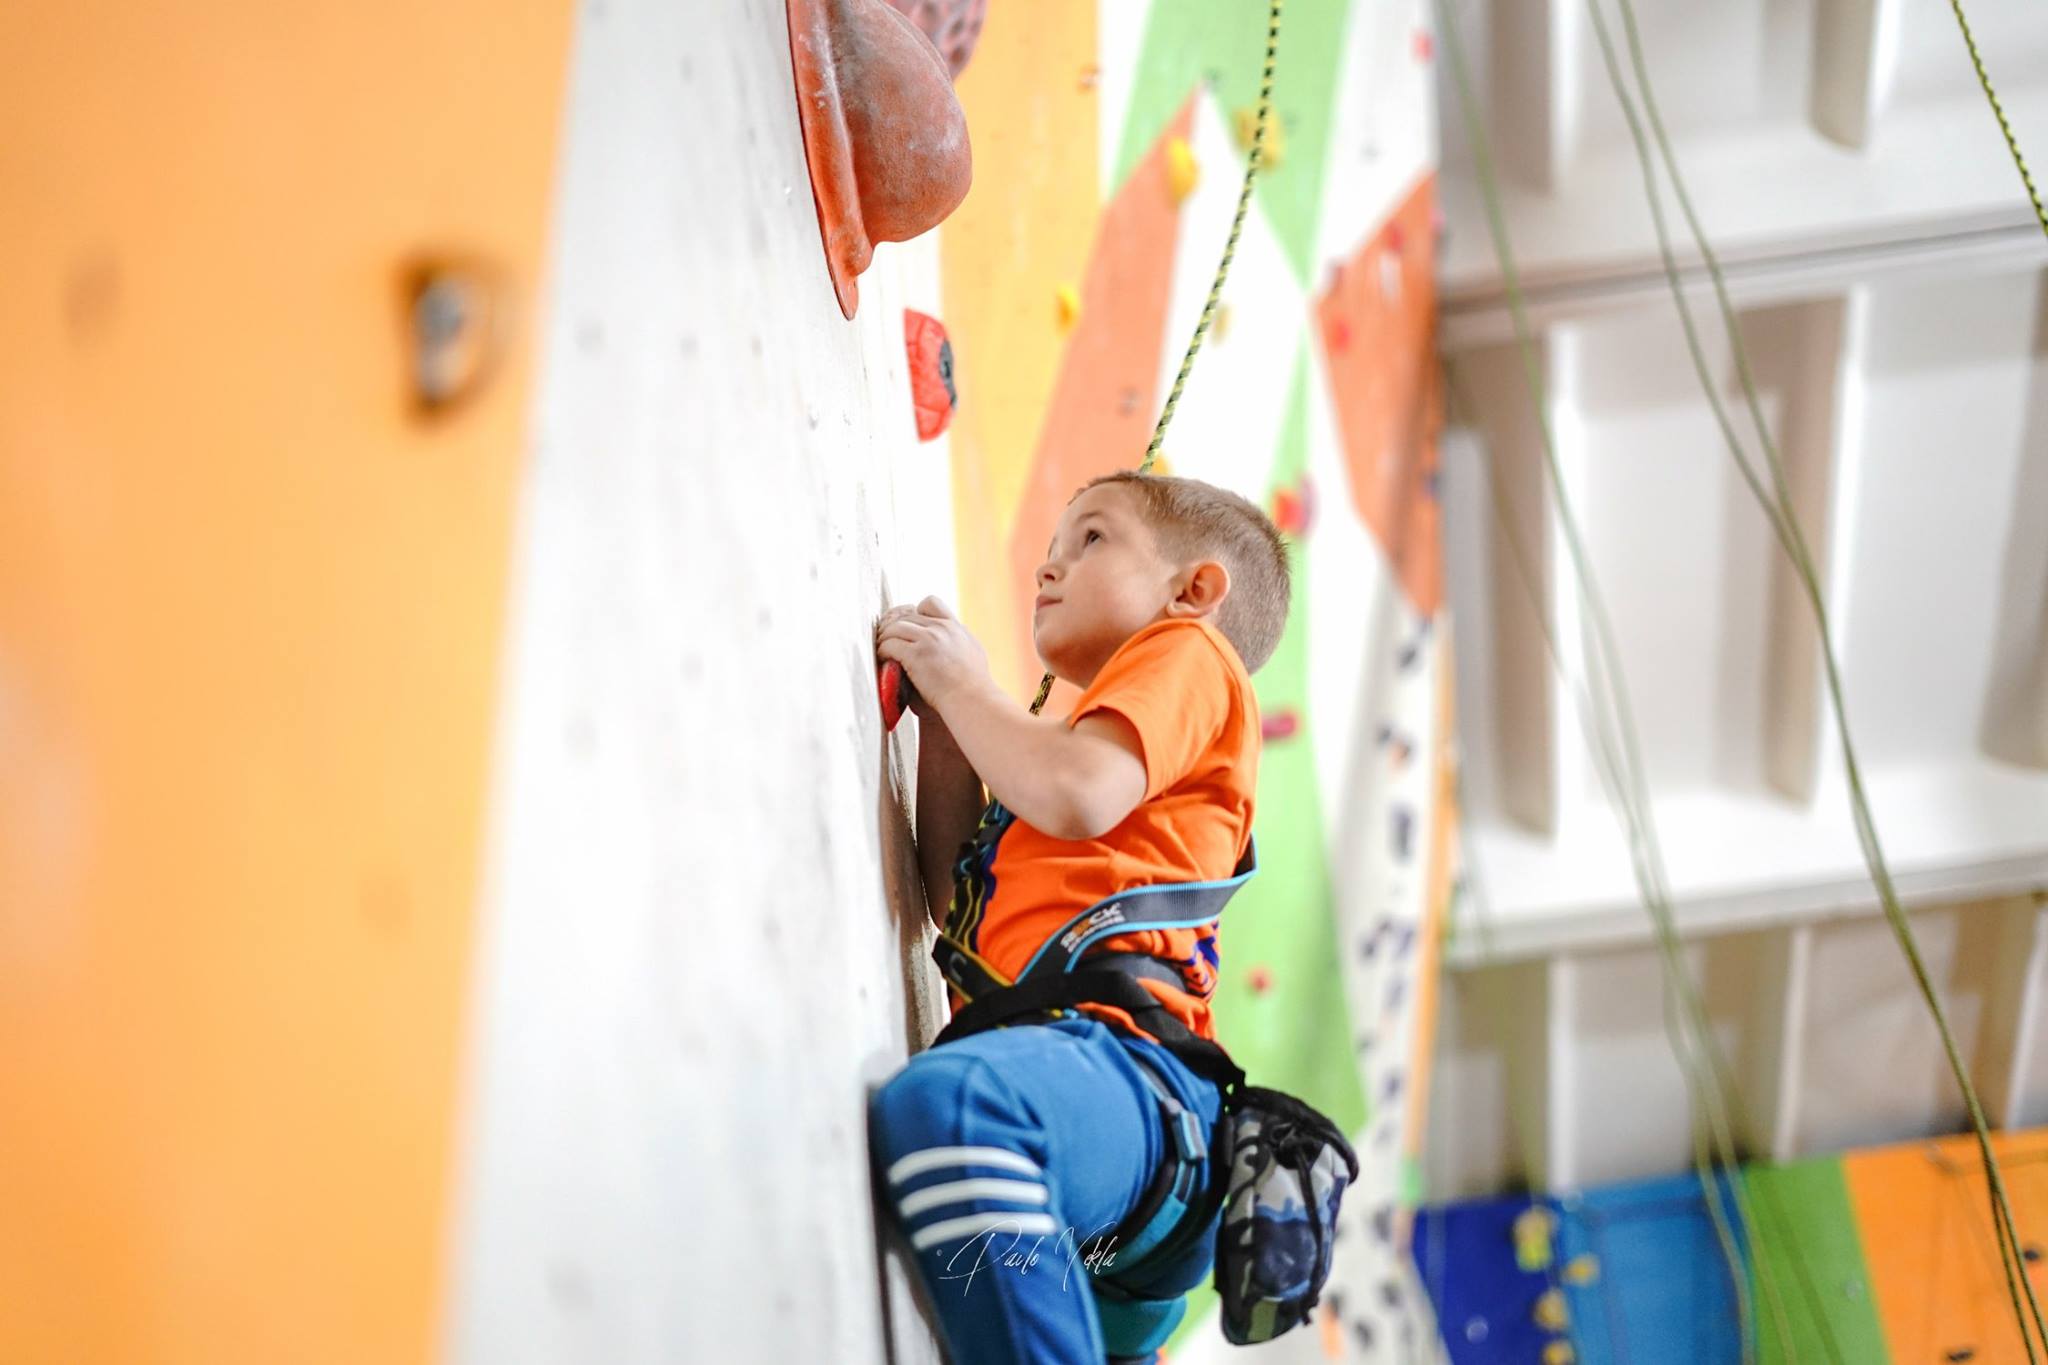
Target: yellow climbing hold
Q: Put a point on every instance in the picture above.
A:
(1247, 120)
(1559, 1352)
(1068, 300)
(1582, 1270)
(1533, 1227)
(1181, 170)
(1550, 1311)
(1160, 466)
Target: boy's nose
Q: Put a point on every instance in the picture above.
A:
(1046, 572)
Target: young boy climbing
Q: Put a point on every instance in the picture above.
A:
(1011, 1159)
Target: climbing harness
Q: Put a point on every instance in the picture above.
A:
(1278, 1176)
(1280, 1167)
(1173, 905)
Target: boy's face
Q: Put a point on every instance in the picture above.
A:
(1103, 580)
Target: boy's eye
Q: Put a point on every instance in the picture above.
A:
(1092, 537)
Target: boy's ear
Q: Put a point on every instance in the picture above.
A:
(1203, 588)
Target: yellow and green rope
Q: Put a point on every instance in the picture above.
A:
(1244, 200)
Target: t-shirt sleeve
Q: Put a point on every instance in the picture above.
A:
(1175, 690)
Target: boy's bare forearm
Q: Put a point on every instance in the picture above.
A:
(1036, 767)
(949, 803)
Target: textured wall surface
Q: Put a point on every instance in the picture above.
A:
(700, 897)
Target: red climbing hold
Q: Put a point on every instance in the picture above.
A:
(953, 26)
(1294, 509)
(1280, 725)
(932, 392)
(883, 133)
(1260, 980)
(896, 691)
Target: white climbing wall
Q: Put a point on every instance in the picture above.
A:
(700, 895)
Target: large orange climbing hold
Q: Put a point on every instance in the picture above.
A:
(883, 132)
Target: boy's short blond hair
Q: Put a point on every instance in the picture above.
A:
(1196, 520)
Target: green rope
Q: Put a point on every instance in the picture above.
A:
(1778, 510)
(1701, 1076)
(1611, 728)
(1607, 763)
(2012, 144)
(1244, 200)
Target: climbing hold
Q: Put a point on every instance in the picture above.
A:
(953, 26)
(1425, 45)
(1390, 276)
(883, 133)
(1246, 121)
(897, 693)
(1294, 509)
(1383, 1223)
(1068, 301)
(1279, 725)
(1559, 1352)
(1181, 171)
(1332, 1323)
(1259, 979)
(458, 321)
(1550, 1311)
(1582, 1270)
(932, 392)
(1533, 1227)
(1411, 650)
(1162, 468)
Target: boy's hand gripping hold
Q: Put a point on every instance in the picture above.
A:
(934, 649)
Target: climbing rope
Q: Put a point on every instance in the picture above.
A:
(1778, 510)
(2012, 144)
(1702, 1076)
(1244, 200)
(1610, 728)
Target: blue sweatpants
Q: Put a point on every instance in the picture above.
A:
(998, 1155)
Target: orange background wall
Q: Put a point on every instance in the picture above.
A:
(249, 621)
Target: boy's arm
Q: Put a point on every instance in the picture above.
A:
(949, 802)
(1071, 783)
(1074, 782)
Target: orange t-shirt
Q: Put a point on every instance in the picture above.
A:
(1183, 689)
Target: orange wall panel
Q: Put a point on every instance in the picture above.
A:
(1924, 1214)
(249, 618)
